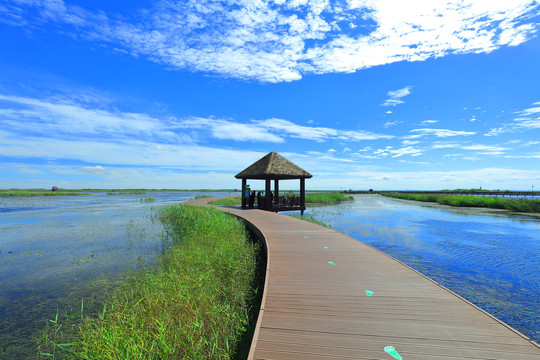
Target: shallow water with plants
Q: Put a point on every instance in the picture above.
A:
(489, 257)
(57, 253)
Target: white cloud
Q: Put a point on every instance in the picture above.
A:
(440, 132)
(281, 41)
(389, 151)
(479, 149)
(54, 119)
(485, 149)
(229, 130)
(391, 123)
(274, 130)
(428, 122)
(528, 119)
(94, 170)
(396, 95)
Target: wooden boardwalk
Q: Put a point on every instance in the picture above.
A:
(316, 303)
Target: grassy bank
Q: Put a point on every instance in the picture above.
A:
(327, 198)
(235, 201)
(516, 205)
(311, 198)
(202, 196)
(193, 306)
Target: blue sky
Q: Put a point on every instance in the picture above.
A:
(361, 93)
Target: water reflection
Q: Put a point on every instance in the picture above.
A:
(491, 258)
(55, 252)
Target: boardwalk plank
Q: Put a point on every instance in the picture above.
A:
(315, 310)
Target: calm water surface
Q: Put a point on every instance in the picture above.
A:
(55, 253)
(490, 258)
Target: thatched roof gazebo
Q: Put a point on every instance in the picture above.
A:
(274, 167)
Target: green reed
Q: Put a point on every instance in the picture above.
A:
(203, 196)
(516, 205)
(235, 201)
(327, 198)
(193, 306)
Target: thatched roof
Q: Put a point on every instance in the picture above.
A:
(273, 166)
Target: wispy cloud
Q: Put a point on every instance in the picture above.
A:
(394, 97)
(275, 130)
(31, 116)
(283, 40)
(439, 133)
(527, 119)
(428, 122)
(389, 151)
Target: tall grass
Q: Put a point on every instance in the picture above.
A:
(327, 198)
(311, 198)
(516, 205)
(203, 196)
(235, 201)
(193, 306)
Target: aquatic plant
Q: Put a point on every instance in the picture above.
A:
(148, 200)
(193, 306)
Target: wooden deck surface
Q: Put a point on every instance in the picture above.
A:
(314, 309)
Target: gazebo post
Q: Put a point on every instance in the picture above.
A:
(267, 198)
(244, 183)
(276, 192)
(302, 195)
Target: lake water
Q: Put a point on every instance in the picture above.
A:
(491, 258)
(55, 253)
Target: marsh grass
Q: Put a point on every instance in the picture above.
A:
(329, 198)
(150, 199)
(235, 201)
(194, 305)
(203, 196)
(516, 205)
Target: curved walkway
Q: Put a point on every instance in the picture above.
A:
(329, 296)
